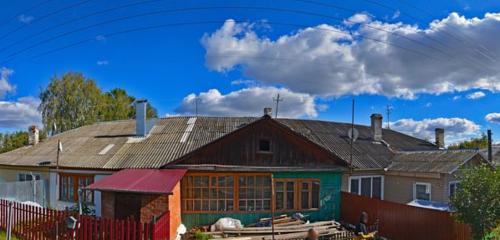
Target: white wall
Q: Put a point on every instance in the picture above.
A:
(54, 190)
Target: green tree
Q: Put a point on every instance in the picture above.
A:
(118, 105)
(473, 143)
(11, 141)
(477, 200)
(72, 100)
(69, 101)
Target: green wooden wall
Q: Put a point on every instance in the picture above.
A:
(329, 202)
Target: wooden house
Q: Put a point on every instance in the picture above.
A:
(199, 169)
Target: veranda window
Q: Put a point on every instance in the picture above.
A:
(242, 192)
(69, 185)
(208, 193)
(297, 194)
(254, 193)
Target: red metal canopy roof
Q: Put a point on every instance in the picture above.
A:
(160, 181)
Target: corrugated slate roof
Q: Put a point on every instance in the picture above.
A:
(173, 137)
(82, 147)
(495, 152)
(442, 161)
(366, 153)
(164, 145)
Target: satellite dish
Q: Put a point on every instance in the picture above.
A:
(353, 134)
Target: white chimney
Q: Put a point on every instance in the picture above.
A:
(140, 117)
(268, 111)
(376, 126)
(440, 137)
(33, 135)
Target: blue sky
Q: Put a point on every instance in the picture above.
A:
(234, 56)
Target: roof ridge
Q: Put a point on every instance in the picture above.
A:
(439, 151)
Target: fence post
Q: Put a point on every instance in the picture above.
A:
(9, 220)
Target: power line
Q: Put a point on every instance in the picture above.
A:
(138, 29)
(46, 16)
(108, 10)
(431, 38)
(385, 6)
(29, 9)
(9, 57)
(464, 36)
(277, 99)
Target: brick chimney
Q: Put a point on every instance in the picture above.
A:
(268, 111)
(376, 126)
(440, 137)
(33, 135)
(140, 117)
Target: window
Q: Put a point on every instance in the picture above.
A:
(208, 193)
(453, 186)
(22, 177)
(69, 185)
(264, 145)
(297, 194)
(245, 192)
(422, 191)
(226, 192)
(254, 193)
(369, 186)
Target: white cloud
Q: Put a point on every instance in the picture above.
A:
(327, 60)
(102, 62)
(243, 82)
(396, 14)
(20, 114)
(250, 102)
(26, 19)
(455, 98)
(358, 18)
(100, 38)
(493, 117)
(456, 129)
(5, 86)
(476, 95)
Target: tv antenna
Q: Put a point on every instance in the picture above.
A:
(389, 109)
(277, 99)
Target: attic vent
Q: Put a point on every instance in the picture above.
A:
(106, 149)
(189, 129)
(44, 163)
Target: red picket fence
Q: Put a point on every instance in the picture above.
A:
(400, 221)
(35, 223)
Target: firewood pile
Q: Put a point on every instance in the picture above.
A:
(284, 228)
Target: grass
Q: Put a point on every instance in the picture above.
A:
(3, 236)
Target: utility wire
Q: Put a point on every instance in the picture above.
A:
(37, 19)
(153, 27)
(9, 57)
(464, 36)
(318, 3)
(29, 9)
(100, 12)
(323, 4)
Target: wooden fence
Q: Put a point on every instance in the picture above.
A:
(35, 223)
(403, 222)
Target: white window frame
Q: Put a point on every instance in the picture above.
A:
(428, 187)
(449, 187)
(371, 188)
(28, 173)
